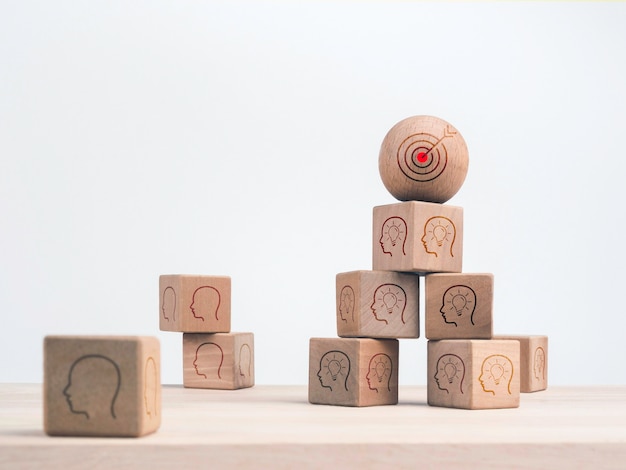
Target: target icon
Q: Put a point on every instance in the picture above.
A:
(423, 157)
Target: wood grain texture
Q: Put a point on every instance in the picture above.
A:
(194, 303)
(417, 237)
(533, 361)
(353, 371)
(423, 158)
(377, 304)
(474, 374)
(276, 427)
(459, 306)
(218, 360)
(102, 385)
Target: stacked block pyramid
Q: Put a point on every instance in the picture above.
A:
(200, 307)
(423, 162)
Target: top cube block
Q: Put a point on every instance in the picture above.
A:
(422, 237)
(194, 304)
(423, 158)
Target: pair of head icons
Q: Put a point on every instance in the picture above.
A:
(94, 382)
(437, 239)
(389, 302)
(209, 359)
(335, 367)
(495, 377)
(205, 303)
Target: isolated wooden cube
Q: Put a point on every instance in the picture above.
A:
(194, 304)
(218, 361)
(459, 306)
(418, 237)
(474, 374)
(101, 385)
(353, 371)
(377, 304)
(533, 361)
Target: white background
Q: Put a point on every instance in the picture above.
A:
(143, 138)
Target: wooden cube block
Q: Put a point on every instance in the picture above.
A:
(533, 362)
(459, 306)
(474, 374)
(194, 304)
(218, 361)
(353, 372)
(419, 237)
(101, 385)
(377, 304)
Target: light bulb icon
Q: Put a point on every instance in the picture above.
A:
(390, 300)
(439, 236)
(496, 374)
(440, 233)
(450, 371)
(334, 367)
(458, 305)
(496, 371)
(459, 302)
(393, 232)
(393, 236)
(379, 372)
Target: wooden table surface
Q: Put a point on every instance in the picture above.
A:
(275, 427)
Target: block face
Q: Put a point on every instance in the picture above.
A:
(194, 304)
(533, 361)
(473, 374)
(377, 304)
(222, 361)
(353, 372)
(459, 306)
(101, 386)
(418, 237)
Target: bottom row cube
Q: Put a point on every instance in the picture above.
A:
(218, 361)
(474, 374)
(353, 371)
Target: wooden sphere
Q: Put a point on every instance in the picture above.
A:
(423, 158)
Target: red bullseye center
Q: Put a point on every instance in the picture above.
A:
(422, 157)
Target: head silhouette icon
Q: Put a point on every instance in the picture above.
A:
(168, 303)
(393, 235)
(245, 360)
(539, 363)
(88, 374)
(389, 303)
(208, 360)
(205, 302)
(151, 384)
(458, 305)
(450, 373)
(346, 304)
(334, 370)
(496, 375)
(439, 236)
(379, 372)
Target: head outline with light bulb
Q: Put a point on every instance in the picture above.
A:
(205, 301)
(168, 303)
(393, 235)
(203, 360)
(439, 233)
(389, 300)
(496, 374)
(245, 358)
(539, 363)
(334, 365)
(346, 303)
(448, 372)
(382, 368)
(458, 304)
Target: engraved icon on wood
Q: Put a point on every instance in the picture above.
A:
(168, 304)
(539, 364)
(439, 236)
(393, 236)
(205, 302)
(496, 375)
(92, 386)
(389, 301)
(458, 305)
(346, 304)
(334, 370)
(151, 385)
(379, 372)
(208, 361)
(245, 360)
(450, 373)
